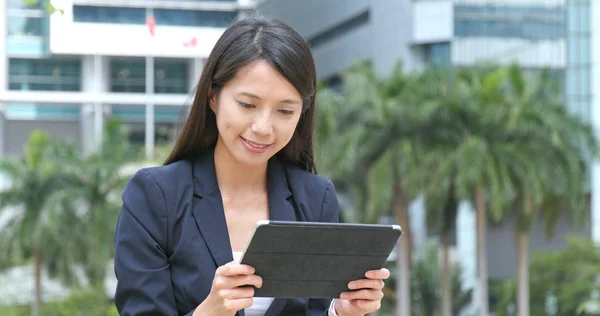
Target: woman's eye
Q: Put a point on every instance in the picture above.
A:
(246, 105)
(287, 112)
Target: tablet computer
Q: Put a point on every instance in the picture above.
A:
(316, 259)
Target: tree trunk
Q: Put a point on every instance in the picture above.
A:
(481, 215)
(522, 274)
(404, 260)
(446, 277)
(37, 260)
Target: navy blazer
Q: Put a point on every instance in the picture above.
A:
(171, 234)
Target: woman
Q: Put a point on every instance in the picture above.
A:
(245, 154)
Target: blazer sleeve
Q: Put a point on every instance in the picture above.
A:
(141, 260)
(330, 212)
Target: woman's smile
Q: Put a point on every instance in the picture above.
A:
(254, 147)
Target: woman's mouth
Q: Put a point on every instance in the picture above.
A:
(255, 147)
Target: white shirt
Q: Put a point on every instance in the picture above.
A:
(261, 304)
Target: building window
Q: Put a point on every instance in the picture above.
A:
(171, 76)
(44, 74)
(117, 15)
(168, 17)
(194, 18)
(26, 26)
(579, 59)
(438, 54)
(20, 4)
(129, 75)
(531, 23)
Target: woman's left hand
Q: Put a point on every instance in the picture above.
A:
(364, 296)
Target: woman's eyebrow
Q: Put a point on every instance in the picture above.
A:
(254, 96)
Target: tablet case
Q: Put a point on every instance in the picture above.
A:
(316, 260)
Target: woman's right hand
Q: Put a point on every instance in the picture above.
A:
(231, 290)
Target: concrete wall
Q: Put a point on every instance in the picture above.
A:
(17, 133)
(502, 242)
(383, 39)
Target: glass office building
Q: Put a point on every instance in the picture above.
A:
(66, 72)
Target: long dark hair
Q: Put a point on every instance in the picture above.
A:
(247, 40)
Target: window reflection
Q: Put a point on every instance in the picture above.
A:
(19, 26)
(44, 74)
(532, 23)
(129, 75)
(109, 15)
(20, 4)
(118, 15)
(194, 18)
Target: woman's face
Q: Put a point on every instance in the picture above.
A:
(257, 113)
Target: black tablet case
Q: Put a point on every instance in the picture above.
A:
(316, 260)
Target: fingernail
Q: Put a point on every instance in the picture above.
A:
(344, 295)
(351, 285)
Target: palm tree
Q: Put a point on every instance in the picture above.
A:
(35, 224)
(551, 177)
(366, 143)
(379, 131)
(93, 189)
(471, 160)
(441, 92)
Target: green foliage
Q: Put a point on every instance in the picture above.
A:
(55, 189)
(446, 132)
(35, 178)
(86, 302)
(560, 281)
(47, 4)
(426, 284)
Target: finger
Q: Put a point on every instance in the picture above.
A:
(367, 306)
(245, 280)
(364, 294)
(229, 282)
(378, 274)
(233, 268)
(236, 293)
(238, 304)
(366, 284)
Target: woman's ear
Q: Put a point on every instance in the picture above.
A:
(212, 100)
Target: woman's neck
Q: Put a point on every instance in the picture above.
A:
(232, 175)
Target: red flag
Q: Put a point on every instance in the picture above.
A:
(191, 43)
(151, 23)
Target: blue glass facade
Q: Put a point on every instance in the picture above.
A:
(27, 26)
(109, 15)
(531, 23)
(129, 75)
(121, 15)
(27, 111)
(438, 54)
(579, 64)
(164, 114)
(44, 74)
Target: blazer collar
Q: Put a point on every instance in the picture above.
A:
(208, 207)
(205, 178)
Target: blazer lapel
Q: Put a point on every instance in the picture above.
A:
(280, 209)
(280, 206)
(208, 210)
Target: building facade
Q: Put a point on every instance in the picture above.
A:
(556, 34)
(66, 72)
